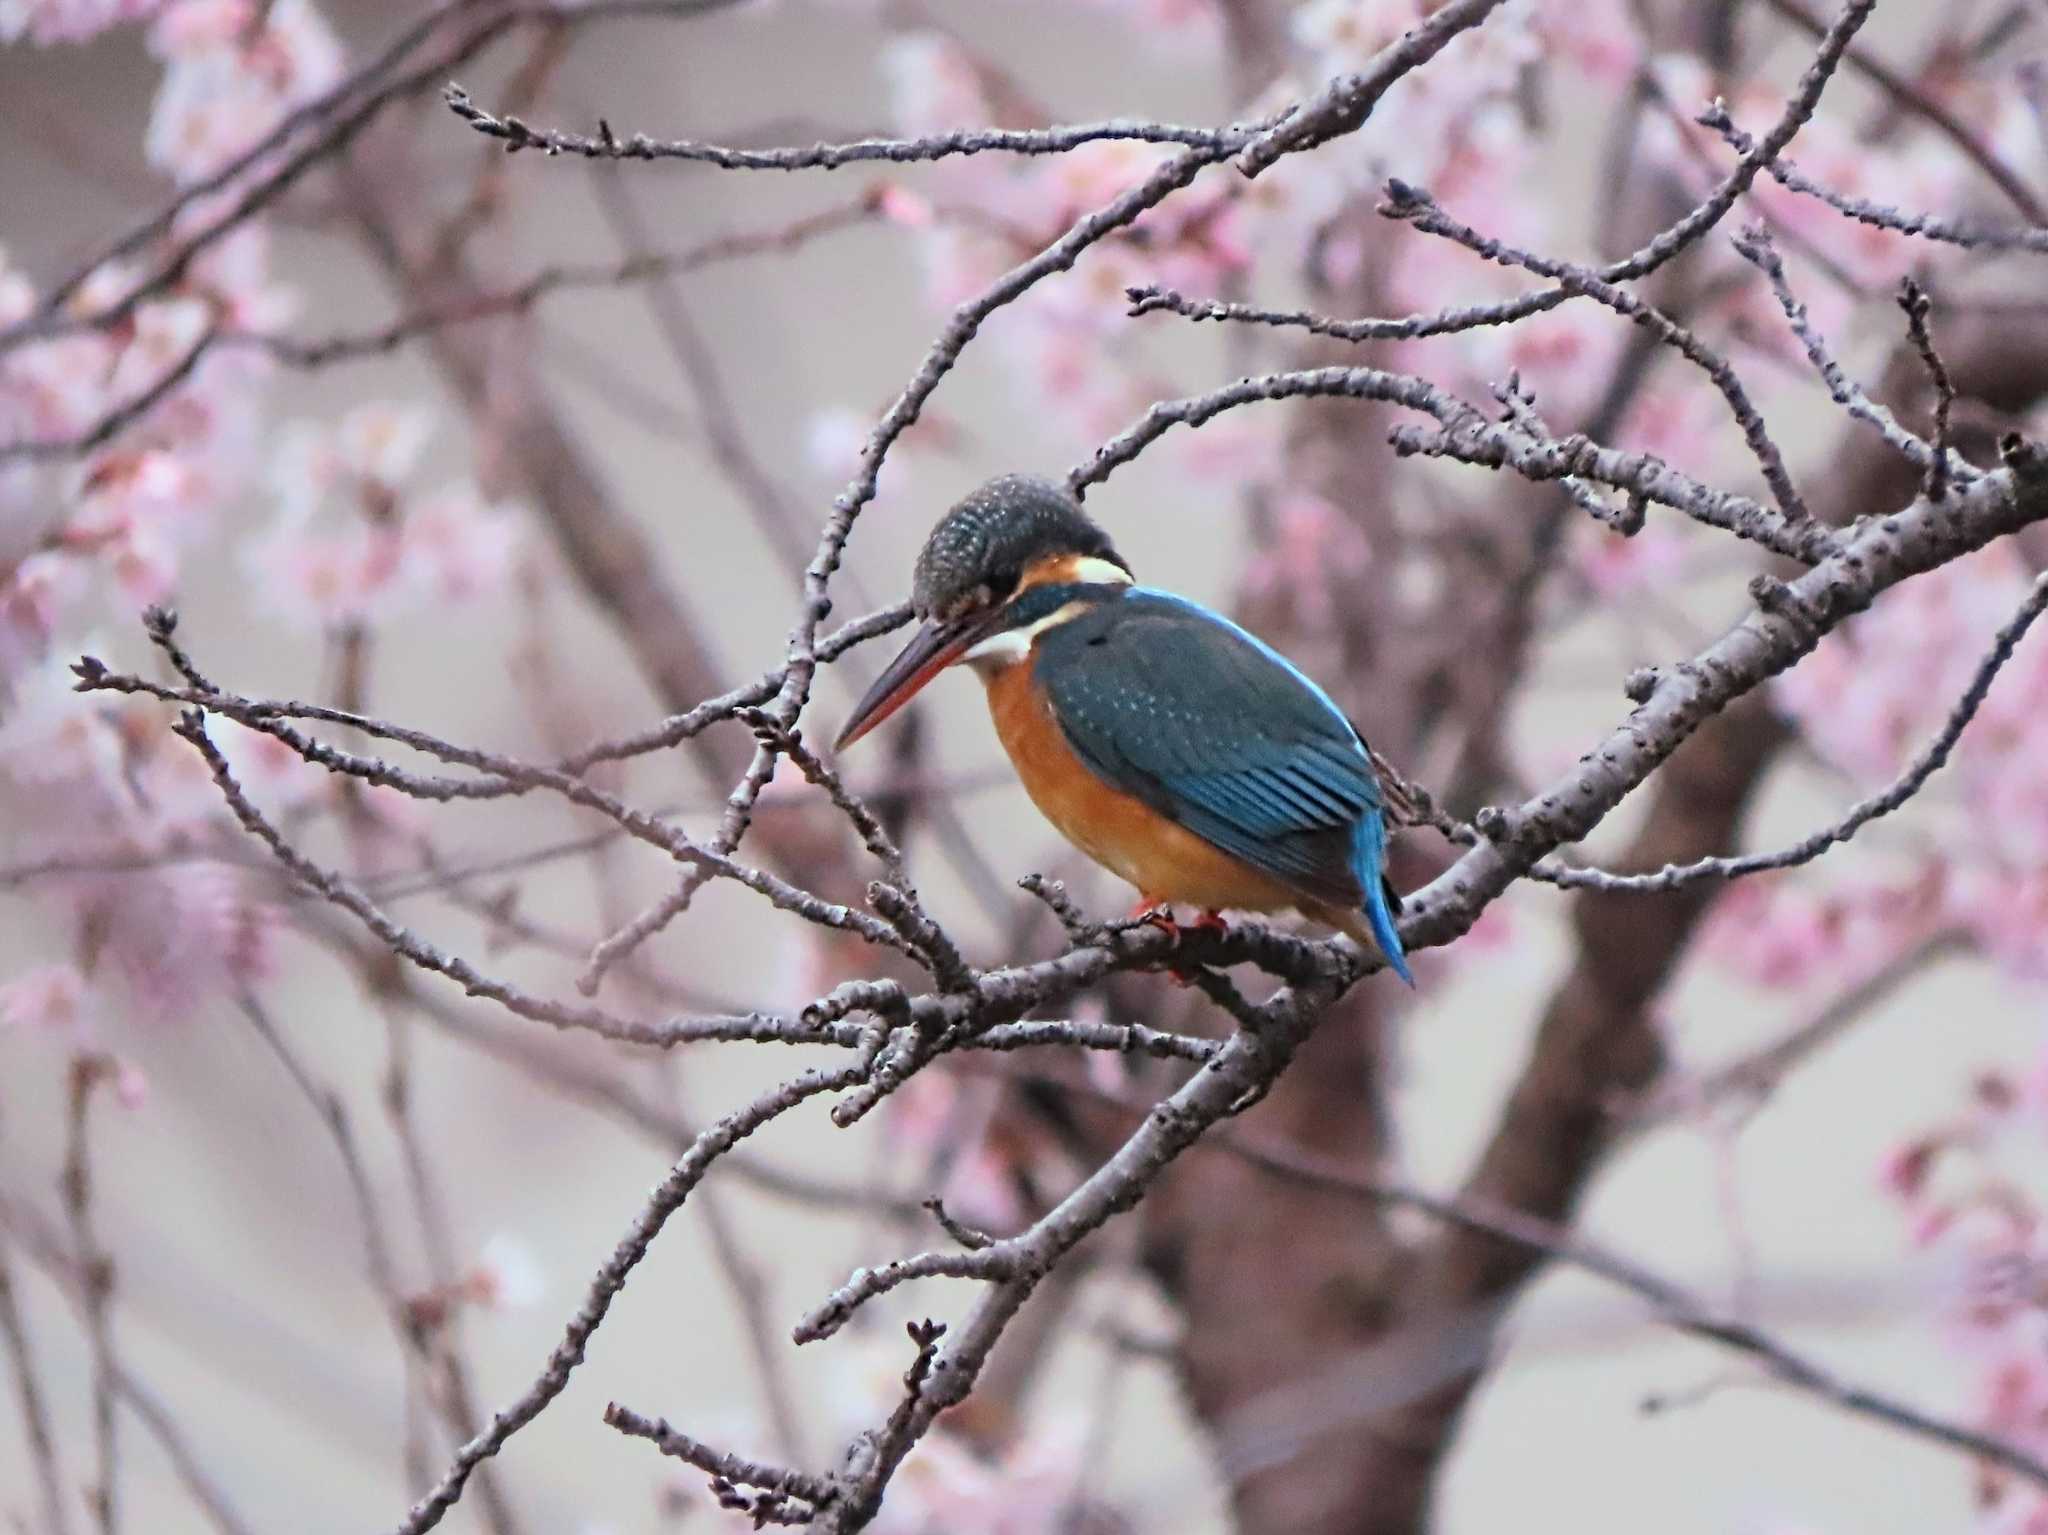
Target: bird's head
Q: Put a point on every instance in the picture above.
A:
(1012, 559)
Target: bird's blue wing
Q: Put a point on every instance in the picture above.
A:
(1185, 711)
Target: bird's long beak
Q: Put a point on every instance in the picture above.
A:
(931, 650)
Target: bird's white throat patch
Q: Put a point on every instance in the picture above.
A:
(1012, 647)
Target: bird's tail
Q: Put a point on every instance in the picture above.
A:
(1375, 923)
(1374, 928)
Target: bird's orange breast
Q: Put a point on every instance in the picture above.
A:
(1165, 860)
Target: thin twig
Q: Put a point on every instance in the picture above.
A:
(280, 133)
(687, 1173)
(1463, 433)
(1928, 226)
(718, 1463)
(320, 352)
(35, 1412)
(339, 117)
(163, 1425)
(1414, 206)
(1751, 1080)
(967, 1236)
(117, 417)
(1754, 245)
(1924, 766)
(45, 1250)
(1928, 108)
(605, 144)
(1667, 243)
(1917, 305)
(379, 1258)
(434, 1319)
(96, 1279)
(1674, 1305)
(507, 777)
(1347, 101)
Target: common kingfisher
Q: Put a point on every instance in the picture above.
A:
(1178, 751)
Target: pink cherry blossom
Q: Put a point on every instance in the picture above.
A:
(191, 26)
(366, 517)
(53, 735)
(1289, 204)
(67, 21)
(454, 547)
(1904, 1172)
(1679, 425)
(190, 932)
(1312, 554)
(1599, 37)
(353, 543)
(53, 999)
(382, 442)
(393, 819)
(1786, 932)
(224, 86)
(2006, 911)
(1025, 1489)
(34, 598)
(1066, 186)
(1619, 566)
(1872, 696)
(1775, 934)
(947, 1112)
(131, 1087)
(273, 772)
(508, 1274)
(322, 581)
(904, 207)
(1243, 448)
(2017, 1512)
(1347, 33)
(235, 275)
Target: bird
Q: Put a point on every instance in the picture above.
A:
(1173, 747)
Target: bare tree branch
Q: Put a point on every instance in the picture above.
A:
(1673, 1304)
(1925, 106)
(687, 1173)
(1971, 236)
(607, 145)
(1924, 766)
(95, 1269)
(35, 1412)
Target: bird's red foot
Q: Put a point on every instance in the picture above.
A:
(1151, 913)
(1158, 914)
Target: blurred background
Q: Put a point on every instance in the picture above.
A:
(1814, 1101)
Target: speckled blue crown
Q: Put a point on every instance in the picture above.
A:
(988, 538)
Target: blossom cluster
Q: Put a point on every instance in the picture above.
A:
(1971, 1192)
(138, 448)
(108, 812)
(1976, 858)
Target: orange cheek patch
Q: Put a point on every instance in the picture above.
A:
(1063, 569)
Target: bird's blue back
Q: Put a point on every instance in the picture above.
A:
(1210, 726)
